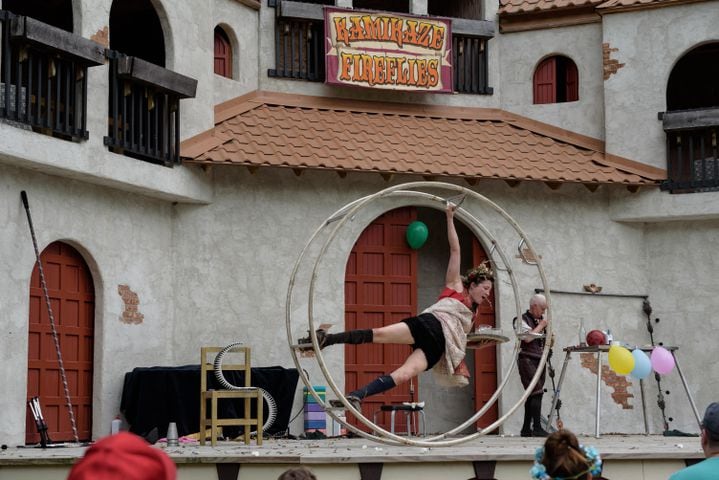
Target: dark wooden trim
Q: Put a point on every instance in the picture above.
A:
(36, 32)
(370, 471)
(473, 28)
(484, 470)
(309, 11)
(690, 119)
(228, 471)
(522, 22)
(253, 4)
(156, 76)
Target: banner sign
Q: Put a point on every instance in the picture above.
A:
(388, 50)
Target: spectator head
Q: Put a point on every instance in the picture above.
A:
(710, 429)
(123, 456)
(563, 457)
(299, 473)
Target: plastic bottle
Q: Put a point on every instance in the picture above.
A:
(582, 333)
(115, 427)
(610, 338)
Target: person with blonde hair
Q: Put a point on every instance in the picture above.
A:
(563, 458)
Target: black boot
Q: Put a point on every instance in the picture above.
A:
(527, 425)
(537, 431)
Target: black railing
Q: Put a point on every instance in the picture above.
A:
(469, 57)
(144, 121)
(299, 50)
(43, 89)
(692, 160)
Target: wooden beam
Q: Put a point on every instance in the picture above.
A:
(143, 71)
(298, 171)
(253, 4)
(690, 119)
(554, 185)
(309, 11)
(592, 187)
(252, 169)
(58, 40)
(473, 28)
(387, 176)
(471, 181)
(342, 173)
(513, 183)
(633, 188)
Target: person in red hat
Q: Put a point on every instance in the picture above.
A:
(123, 456)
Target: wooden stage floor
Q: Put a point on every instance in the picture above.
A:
(626, 456)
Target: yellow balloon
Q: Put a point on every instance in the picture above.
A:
(621, 360)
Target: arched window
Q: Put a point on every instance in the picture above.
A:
(223, 53)
(556, 80)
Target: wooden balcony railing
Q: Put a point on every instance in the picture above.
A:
(692, 153)
(43, 76)
(299, 50)
(144, 109)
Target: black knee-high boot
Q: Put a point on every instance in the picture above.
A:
(378, 385)
(537, 431)
(354, 337)
(527, 425)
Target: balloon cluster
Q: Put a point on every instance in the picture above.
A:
(637, 363)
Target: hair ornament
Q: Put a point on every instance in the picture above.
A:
(594, 460)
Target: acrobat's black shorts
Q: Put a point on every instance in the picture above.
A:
(428, 336)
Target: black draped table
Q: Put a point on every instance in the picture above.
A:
(152, 397)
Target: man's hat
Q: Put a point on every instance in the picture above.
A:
(711, 421)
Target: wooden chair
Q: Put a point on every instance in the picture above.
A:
(248, 393)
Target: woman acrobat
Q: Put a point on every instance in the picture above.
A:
(438, 335)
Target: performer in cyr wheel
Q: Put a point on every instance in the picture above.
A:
(530, 353)
(438, 335)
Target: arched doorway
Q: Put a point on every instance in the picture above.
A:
(72, 297)
(135, 30)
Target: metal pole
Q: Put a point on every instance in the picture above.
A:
(644, 407)
(686, 389)
(51, 317)
(555, 397)
(599, 384)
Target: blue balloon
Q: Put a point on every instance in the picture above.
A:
(642, 365)
(416, 234)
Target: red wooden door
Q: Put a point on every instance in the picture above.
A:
(380, 289)
(545, 81)
(72, 297)
(223, 53)
(485, 359)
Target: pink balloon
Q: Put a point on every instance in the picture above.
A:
(662, 360)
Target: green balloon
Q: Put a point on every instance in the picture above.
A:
(417, 233)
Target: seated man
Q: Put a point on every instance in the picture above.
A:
(706, 469)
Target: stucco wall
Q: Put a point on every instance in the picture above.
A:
(521, 52)
(125, 240)
(648, 43)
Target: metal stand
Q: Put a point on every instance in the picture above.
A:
(599, 349)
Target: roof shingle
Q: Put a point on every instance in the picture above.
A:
(281, 130)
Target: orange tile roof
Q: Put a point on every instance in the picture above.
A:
(528, 6)
(264, 129)
(535, 6)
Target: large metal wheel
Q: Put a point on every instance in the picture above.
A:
(415, 194)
